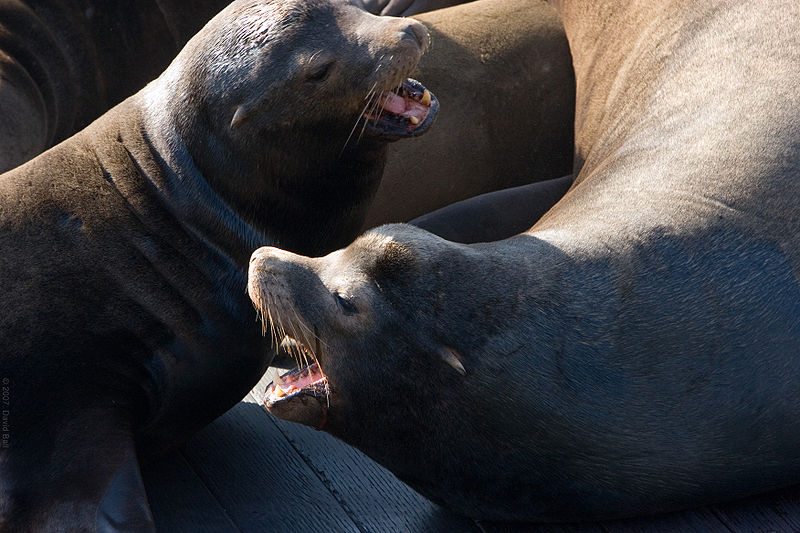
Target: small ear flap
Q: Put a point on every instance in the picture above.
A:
(453, 358)
(239, 116)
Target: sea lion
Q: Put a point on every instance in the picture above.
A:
(125, 323)
(638, 349)
(495, 215)
(62, 64)
(406, 8)
(505, 70)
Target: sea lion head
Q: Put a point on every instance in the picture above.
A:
(402, 356)
(375, 324)
(266, 66)
(343, 310)
(293, 101)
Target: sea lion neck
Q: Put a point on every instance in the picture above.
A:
(309, 184)
(189, 195)
(599, 63)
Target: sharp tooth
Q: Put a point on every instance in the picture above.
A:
(279, 392)
(276, 377)
(426, 98)
(414, 120)
(288, 344)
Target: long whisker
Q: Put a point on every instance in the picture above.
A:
(377, 104)
(284, 322)
(301, 326)
(373, 100)
(274, 321)
(370, 96)
(319, 352)
(302, 359)
(305, 330)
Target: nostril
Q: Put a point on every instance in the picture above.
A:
(419, 32)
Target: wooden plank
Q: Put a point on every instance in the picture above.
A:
(497, 527)
(696, 521)
(373, 497)
(776, 512)
(250, 472)
(259, 479)
(180, 501)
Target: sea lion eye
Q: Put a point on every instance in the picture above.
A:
(346, 304)
(320, 73)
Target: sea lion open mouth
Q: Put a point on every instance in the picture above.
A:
(308, 379)
(407, 111)
(290, 395)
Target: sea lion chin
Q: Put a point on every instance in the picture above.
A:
(300, 396)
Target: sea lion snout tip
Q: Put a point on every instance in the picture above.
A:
(417, 31)
(258, 254)
(272, 259)
(414, 30)
(266, 252)
(261, 261)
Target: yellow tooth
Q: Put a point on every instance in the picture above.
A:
(414, 120)
(426, 98)
(279, 392)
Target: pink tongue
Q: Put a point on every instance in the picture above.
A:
(415, 109)
(393, 103)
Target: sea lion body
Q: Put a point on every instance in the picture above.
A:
(638, 349)
(125, 326)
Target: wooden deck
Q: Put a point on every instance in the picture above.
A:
(249, 472)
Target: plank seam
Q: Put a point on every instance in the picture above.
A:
(211, 492)
(325, 482)
(721, 516)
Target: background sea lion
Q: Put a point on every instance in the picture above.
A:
(505, 71)
(495, 215)
(638, 349)
(62, 64)
(125, 323)
(406, 8)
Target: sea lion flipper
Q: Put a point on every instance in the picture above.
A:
(124, 507)
(495, 215)
(453, 358)
(239, 116)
